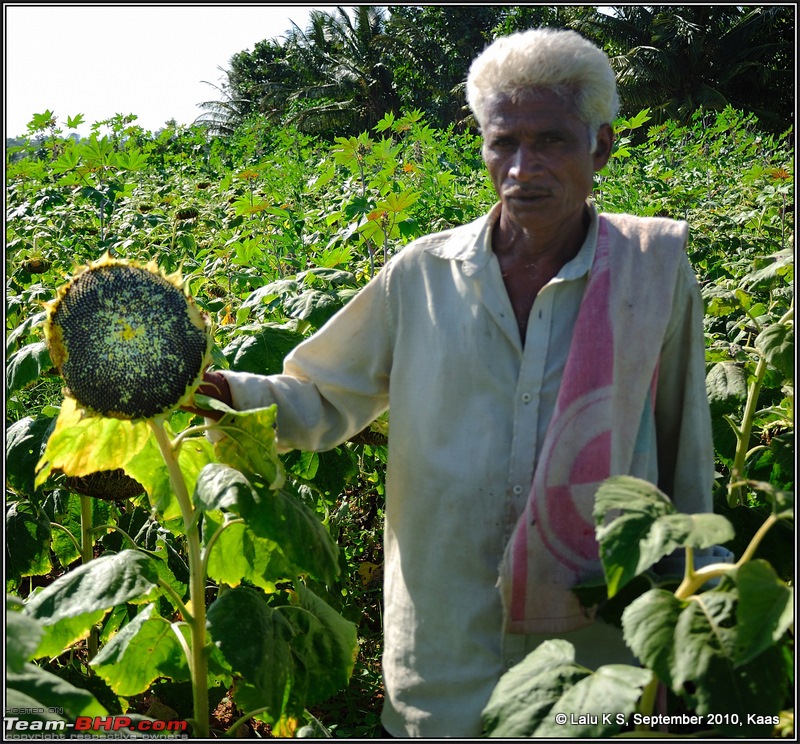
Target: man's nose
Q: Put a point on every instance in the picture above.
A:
(526, 163)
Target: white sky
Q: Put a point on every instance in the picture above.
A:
(148, 59)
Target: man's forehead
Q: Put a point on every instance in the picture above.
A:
(503, 108)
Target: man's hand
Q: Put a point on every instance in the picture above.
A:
(214, 385)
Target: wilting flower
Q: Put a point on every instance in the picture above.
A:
(109, 485)
(127, 340)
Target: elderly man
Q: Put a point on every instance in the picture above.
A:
(524, 357)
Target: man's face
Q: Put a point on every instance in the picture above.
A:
(538, 155)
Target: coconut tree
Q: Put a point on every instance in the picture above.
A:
(347, 85)
(677, 59)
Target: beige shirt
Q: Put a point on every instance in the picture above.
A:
(433, 338)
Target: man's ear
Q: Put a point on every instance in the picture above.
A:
(605, 141)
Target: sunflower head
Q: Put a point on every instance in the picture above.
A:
(127, 340)
(109, 485)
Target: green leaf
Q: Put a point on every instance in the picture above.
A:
(26, 365)
(80, 444)
(776, 344)
(22, 639)
(148, 467)
(250, 445)
(27, 540)
(217, 488)
(765, 610)
(525, 695)
(24, 441)
(726, 385)
(605, 699)
(74, 602)
(324, 644)
(238, 555)
(142, 651)
(254, 639)
(648, 529)
(262, 352)
(648, 625)
(691, 646)
(52, 692)
(281, 516)
(313, 305)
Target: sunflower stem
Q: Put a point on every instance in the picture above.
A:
(87, 554)
(197, 599)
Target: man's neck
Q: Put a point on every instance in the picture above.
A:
(513, 243)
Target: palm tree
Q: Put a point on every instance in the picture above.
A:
(348, 85)
(677, 59)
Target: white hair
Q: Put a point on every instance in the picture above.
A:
(545, 59)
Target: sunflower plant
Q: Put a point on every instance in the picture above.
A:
(131, 347)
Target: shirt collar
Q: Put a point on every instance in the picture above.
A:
(472, 245)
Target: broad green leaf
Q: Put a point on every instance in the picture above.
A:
(250, 446)
(313, 305)
(398, 202)
(648, 529)
(747, 698)
(22, 639)
(23, 329)
(598, 705)
(726, 385)
(705, 629)
(149, 468)
(32, 710)
(765, 610)
(262, 352)
(776, 343)
(648, 625)
(525, 695)
(280, 516)
(74, 602)
(27, 538)
(26, 366)
(254, 639)
(324, 644)
(68, 160)
(50, 691)
(142, 651)
(133, 160)
(82, 444)
(249, 697)
(238, 555)
(217, 488)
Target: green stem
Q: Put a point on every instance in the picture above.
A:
(197, 619)
(240, 722)
(87, 554)
(735, 493)
(648, 701)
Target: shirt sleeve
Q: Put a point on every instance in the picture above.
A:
(334, 383)
(683, 419)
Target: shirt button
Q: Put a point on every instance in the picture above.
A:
(526, 397)
(517, 490)
(510, 663)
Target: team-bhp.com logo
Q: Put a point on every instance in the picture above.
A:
(19, 728)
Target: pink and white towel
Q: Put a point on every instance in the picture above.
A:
(601, 423)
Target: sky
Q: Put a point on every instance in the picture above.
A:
(147, 59)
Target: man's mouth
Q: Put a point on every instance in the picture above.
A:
(531, 196)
